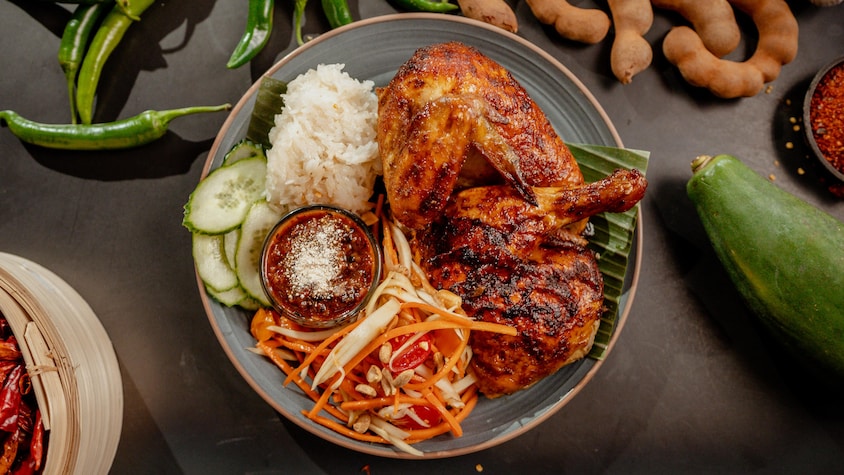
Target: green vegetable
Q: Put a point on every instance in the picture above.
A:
(83, 2)
(229, 218)
(74, 42)
(108, 36)
(211, 264)
(243, 150)
(614, 234)
(130, 132)
(268, 103)
(254, 229)
(222, 199)
(337, 12)
(435, 6)
(785, 257)
(298, 15)
(128, 6)
(259, 25)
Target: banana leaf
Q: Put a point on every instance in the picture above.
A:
(612, 235)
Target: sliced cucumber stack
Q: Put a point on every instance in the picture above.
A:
(228, 214)
(229, 218)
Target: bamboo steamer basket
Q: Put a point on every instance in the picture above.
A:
(71, 363)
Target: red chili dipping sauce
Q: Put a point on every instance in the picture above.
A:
(319, 266)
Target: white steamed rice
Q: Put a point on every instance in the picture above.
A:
(323, 143)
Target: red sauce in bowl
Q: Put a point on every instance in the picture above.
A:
(319, 266)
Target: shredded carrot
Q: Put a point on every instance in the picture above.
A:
(320, 404)
(296, 345)
(379, 402)
(350, 433)
(324, 344)
(390, 253)
(470, 400)
(287, 369)
(447, 416)
(464, 322)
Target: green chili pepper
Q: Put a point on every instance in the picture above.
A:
(259, 25)
(74, 42)
(298, 14)
(83, 2)
(126, 133)
(108, 36)
(337, 12)
(435, 6)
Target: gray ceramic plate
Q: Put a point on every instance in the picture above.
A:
(374, 49)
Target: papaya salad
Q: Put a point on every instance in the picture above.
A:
(398, 374)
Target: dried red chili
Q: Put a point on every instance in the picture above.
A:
(22, 435)
(827, 116)
(36, 445)
(10, 400)
(10, 450)
(9, 349)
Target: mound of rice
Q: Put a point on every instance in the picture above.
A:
(323, 143)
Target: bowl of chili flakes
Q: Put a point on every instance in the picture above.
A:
(823, 117)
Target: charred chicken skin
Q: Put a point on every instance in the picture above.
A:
(517, 264)
(445, 108)
(497, 204)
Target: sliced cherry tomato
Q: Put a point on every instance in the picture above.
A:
(412, 356)
(428, 415)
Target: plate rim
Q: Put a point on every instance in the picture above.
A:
(623, 313)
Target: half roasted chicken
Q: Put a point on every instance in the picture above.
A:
(497, 205)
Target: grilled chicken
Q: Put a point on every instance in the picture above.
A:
(517, 264)
(498, 206)
(450, 109)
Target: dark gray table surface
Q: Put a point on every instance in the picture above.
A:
(692, 386)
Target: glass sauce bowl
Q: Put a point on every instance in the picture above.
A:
(319, 266)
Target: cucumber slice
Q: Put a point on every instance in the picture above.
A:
(249, 304)
(268, 103)
(211, 264)
(220, 201)
(243, 150)
(230, 297)
(230, 240)
(257, 225)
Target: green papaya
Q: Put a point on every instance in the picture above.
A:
(784, 256)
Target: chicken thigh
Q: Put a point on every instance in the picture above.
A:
(516, 264)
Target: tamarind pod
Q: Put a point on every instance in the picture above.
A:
(584, 25)
(699, 67)
(778, 34)
(494, 12)
(713, 20)
(631, 53)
